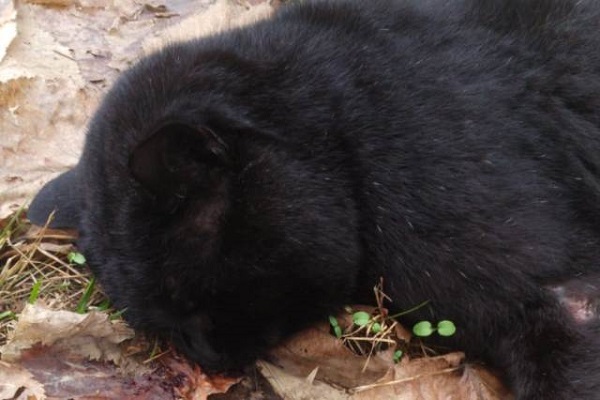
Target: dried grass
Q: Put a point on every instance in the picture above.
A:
(30, 254)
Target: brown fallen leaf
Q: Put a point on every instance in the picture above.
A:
(431, 378)
(69, 375)
(8, 25)
(221, 15)
(290, 386)
(317, 352)
(52, 3)
(89, 335)
(63, 374)
(317, 348)
(193, 384)
(61, 354)
(19, 384)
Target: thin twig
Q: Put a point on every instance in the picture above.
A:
(403, 380)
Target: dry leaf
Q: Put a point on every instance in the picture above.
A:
(193, 384)
(67, 375)
(52, 3)
(220, 16)
(418, 379)
(316, 347)
(294, 387)
(89, 335)
(65, 355)
(8, 25)
(18, 383)
(427, 378)
(433, 378)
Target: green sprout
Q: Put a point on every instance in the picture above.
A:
(337, 330)
(376, 330)
(75, 257)
(83, 303)
(426, 328)
(398, 355)
(364, 319)
(35, 292)
(116, 314)
(8, 315)
(361, 318)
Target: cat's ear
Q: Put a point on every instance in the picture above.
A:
(178, 159)
(62, 195)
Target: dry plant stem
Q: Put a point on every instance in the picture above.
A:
(380, 296)
(54, 236)
(383, 337)
(361, 334)
(155, 357)
(23, 260)
(403, 380)
(373, 340)
(63, 265)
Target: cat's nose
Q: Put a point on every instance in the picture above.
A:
(192, 340)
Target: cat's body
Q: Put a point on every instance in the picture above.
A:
(237, 188)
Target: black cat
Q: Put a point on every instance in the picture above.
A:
(236, 188)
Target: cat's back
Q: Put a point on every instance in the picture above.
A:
(389, 78)
(389, 53)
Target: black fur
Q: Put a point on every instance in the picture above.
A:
(237, 188)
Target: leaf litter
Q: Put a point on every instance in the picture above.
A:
(421, 373)
(57, 58)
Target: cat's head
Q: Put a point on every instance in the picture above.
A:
(207, 223)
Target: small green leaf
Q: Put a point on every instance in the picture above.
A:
(116, 314)
(398, 355)
(446, 328)
(376, 327)
(105, 305)
(338, 332)
(361, 318)
(7, 315)
(76, 258)
(83, 303)
(333, 321)
(423, 329)
(335, 326)
(35, 292)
